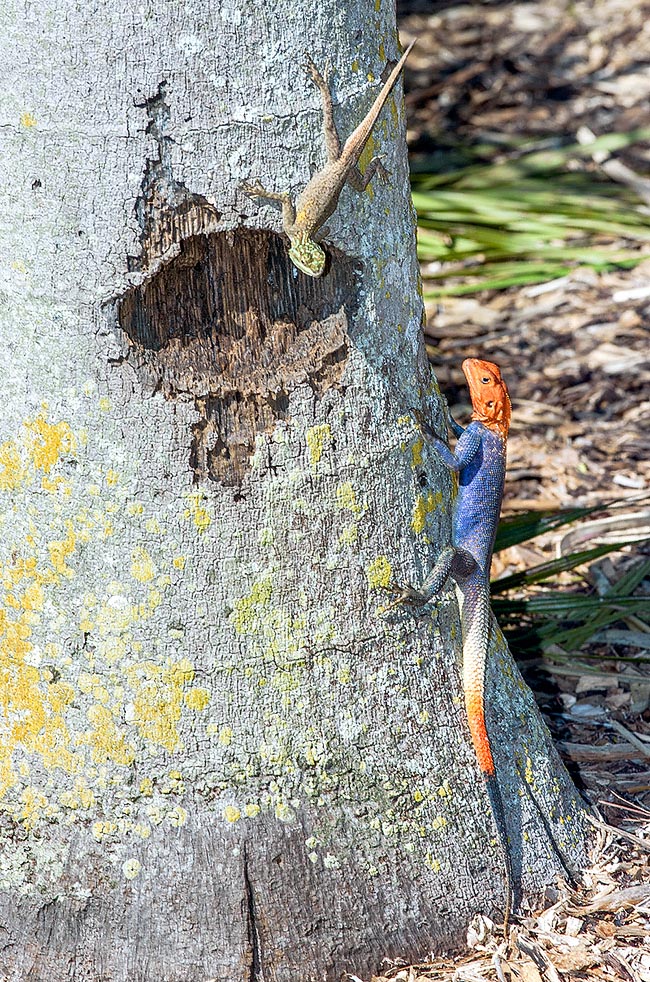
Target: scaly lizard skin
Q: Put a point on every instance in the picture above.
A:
(320, 198)
(480, 462)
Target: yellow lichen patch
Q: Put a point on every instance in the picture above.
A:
(104, 830)
(56, 485)
(12, 470)
(47, 442)
(27, 119)
(177, 816)
(379, 573)
(52, 744)
(61, 549)
(61, 695)
(154, 599)
(142, 567)
(283, 812)
(32, 598)
(197, 699)
(252, 810)
(529, 773)
(225, 736)
(197, 512)
(367, 154)
(112, 477)
(105, 739)
(158, 696)
(131, 868)
(29, 717)
(346, 498)
(247, 610)
(33, 804)
(78, 797)
(416, 452)
(424, 505)
(349, 535)
(231, 814)
(318, 438)
(178, 562)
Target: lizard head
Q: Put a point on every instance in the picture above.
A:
(489, 395)
(307, 255)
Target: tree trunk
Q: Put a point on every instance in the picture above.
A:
(220, 759)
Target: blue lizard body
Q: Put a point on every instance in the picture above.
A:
(480, 462)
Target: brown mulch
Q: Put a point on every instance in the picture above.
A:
(576, 356)
(600, 931)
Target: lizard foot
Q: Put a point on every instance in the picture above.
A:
(427, 430)
(319, 80)
(382, 173)
(405, 594)
(253, 188)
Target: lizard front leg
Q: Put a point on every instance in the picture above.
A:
(255, 190)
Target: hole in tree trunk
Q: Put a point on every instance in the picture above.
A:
(230, 322)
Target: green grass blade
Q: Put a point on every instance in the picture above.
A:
(528, 525)
(545, 571)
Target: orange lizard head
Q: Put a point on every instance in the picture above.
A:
(489, 395)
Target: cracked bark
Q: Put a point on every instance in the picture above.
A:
(220, 761)
(255, 945)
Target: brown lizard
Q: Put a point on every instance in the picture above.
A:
(320, 197)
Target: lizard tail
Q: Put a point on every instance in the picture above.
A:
(476, 632)
(357, 140)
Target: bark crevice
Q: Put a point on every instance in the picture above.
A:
(252, 927)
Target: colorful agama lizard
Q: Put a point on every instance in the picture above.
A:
(480, 462)
(320, 197)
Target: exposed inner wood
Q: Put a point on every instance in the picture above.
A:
(231, 323)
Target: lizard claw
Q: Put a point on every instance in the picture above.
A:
(253, 188)
(382, 172)
(427, 431)
(314, 73)
(405, 594)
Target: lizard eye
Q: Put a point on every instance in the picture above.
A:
(486, 379)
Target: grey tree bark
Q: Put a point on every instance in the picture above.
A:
(220, 759)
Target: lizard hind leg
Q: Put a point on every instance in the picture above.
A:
(359, 182)
(332, 140)
(451, 562)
